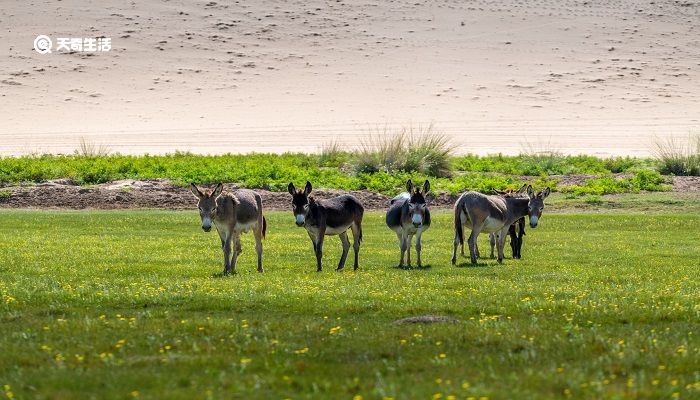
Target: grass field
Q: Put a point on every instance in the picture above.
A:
(131, 304)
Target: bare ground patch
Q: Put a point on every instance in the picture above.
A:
(163, 194)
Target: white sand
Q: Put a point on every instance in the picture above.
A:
(598, 77)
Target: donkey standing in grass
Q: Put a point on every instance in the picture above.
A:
(408, 215)
(328, 217)
(493, 214)
(516, 230)
(232, 214)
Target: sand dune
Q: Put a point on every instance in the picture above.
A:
(220, 76)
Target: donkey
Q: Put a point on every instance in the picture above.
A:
(328, 217)
(493, 214)
(408, 215)
(516, 231)
(232, 214)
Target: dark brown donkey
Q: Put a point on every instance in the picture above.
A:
(328, 217)
(516, 231)
(493, 214)
(232, 214)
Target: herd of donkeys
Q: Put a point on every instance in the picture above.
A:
(501, 214)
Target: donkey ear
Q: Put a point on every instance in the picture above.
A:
(426, 186)
(530, 192)
(307, 188)
(409, 186)
(291, 189)
(546, 193)
(218, 190)
(196, 191)
(522, 189)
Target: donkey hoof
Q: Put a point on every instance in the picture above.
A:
(340, 268)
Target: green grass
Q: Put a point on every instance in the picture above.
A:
(129, 303)
(334, 170)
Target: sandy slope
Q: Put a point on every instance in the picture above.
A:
(598, 77)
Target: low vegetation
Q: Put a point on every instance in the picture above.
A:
(130, 304)
(334, 169)
(678, 158)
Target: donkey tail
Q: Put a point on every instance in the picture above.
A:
(264, 227)
(459, 229)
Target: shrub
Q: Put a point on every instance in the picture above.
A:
(333, 155)
(677, 158)
(88, 148)
(423, 150)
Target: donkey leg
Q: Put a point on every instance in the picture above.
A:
(258, 248)
(357, 239)
(319, 253)
(492, 240)
(346, 248)
(501, 242)
(401, 249)
(313, 240)
(226, 248)
(409, 241)
(234, 256)
(473, 249)
(418, 247)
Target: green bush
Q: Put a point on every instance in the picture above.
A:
(676, 158)
(423, 151)
(641, 180)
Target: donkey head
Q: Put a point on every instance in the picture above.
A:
(207, 204)
(416, 203)
(300, 202)
(536, 205)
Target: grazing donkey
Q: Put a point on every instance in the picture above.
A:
(232, 214)
(493, 214)
(408, 215)
(328, 217)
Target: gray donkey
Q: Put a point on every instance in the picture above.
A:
(327, 217)
(493, 214)
(232, 214)
(408, 215)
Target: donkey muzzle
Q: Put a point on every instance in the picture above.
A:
(533, 222)
(301, 220)
(417, 220)
(206, 228)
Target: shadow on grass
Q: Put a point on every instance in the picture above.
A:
(220, 275)
(416, 268)
(468, 264)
